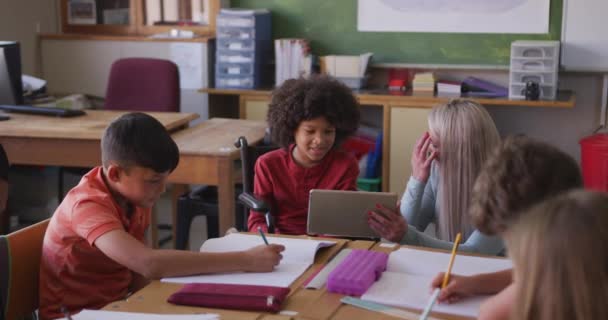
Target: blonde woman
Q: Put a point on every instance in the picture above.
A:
(560, 258)
(445, 164)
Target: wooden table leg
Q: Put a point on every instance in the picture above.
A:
(154, 228)
(225, 196)
(176, 192)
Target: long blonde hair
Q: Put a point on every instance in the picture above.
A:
(560, 255)
(466, 134)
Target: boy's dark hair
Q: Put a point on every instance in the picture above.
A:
(519, 173)
(302, 99)
(137, 139)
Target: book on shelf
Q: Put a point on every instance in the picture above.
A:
(423, 83)
(449, 88)
(472, 86)
(293, 59)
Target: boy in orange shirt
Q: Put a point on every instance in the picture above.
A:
(93, 251)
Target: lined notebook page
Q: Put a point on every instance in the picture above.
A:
(113, 315)
(406, 283)
(299, 254)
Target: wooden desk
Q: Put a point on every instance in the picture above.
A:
(207, 155)
(303, 303)
(346, 312)
(207, 151)
(67, 142)
(317, 304)
(153, 298)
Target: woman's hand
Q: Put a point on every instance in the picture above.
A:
(421, 159)
(388, 223)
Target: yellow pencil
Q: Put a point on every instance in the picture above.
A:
(446, 279)
(446, 276)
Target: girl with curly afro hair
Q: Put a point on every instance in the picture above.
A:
(308, 119)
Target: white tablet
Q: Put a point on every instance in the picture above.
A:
(344, 213)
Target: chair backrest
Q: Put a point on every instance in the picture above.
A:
(143, 84)
(20, 254)
(4, 166)
(249, 155)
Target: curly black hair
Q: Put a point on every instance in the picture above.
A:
(303, 99)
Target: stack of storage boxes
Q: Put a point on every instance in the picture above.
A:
(243, 48)
(536, 61)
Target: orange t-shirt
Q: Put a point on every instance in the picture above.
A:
(73, 272)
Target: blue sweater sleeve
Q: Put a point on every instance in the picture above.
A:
(418, 206)
(418, 203)
(476, 243)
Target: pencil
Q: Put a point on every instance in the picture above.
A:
(263, 236)
(446, 276)
(446, 279)
(66, 313)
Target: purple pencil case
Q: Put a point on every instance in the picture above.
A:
(357, 272)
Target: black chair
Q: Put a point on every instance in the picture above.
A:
(249, 155)
(203, 200)
(4, 215)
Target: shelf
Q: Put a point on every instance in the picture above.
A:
(97, 37)
(565, 98)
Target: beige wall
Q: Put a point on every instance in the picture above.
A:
(560, 127)
(22, 20)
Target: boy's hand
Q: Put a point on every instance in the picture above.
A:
(458, 287)
(263, 258)
(388, 223)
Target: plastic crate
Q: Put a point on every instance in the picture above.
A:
(367, 184)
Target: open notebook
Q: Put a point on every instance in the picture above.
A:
(113, 315)
(407, 280)
(299, 254)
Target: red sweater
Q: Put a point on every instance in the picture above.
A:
(286, 186)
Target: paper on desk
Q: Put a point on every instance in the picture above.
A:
(299, 254)
(32, 83)
(113, 315)
(409, 273)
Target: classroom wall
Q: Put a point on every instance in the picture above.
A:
(22, 20)
(560, 127)
(331, 27)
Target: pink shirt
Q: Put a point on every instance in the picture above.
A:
(286, 186)
(73, 272)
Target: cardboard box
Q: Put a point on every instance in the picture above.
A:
(345, 66)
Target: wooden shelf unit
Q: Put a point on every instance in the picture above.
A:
(137, 25)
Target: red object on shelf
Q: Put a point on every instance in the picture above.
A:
(358, 146)
(594, 162)
(399, 79)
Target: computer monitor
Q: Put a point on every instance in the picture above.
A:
(11, 88)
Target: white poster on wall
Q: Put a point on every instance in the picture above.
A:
(456, 16)
(189, 60)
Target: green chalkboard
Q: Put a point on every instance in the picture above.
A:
(331, 26)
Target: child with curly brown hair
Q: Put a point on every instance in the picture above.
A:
(308, 119)
(519, 173)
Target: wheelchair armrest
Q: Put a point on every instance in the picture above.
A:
(254, 203)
